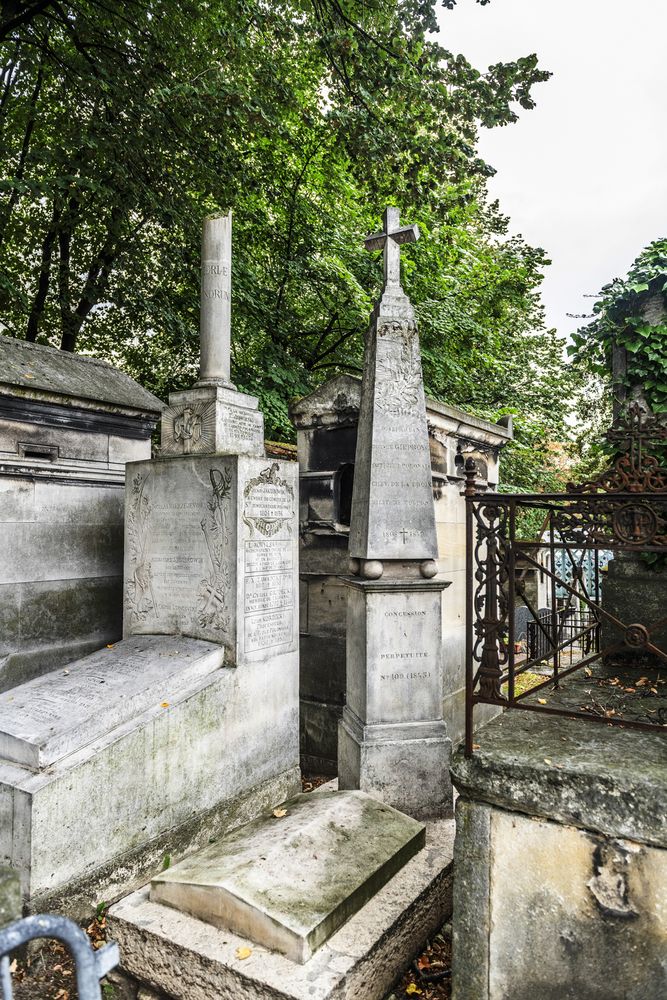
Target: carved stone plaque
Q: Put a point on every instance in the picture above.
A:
(180, 548)
(269, 505)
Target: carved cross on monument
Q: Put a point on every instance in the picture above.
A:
(390, 241)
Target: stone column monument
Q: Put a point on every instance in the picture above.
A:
(211, 536)
(392, 738)
(213, 416)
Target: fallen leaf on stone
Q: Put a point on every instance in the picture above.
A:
(412, 988)
(110, 645)
(588, 672)
(164, 704)
(423, 962)
(279, 813)
(629, 690)
(27, 375)
(243, 953)
(542, 701)
(65, 673)
(654, 690)
(547, 760)
(13, 966)
(642, 682)
(475, 746)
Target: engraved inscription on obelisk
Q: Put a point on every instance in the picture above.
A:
(393, 516)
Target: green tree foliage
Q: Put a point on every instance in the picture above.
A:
(122, 124)
(632, 314)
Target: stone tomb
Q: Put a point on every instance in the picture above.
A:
(326, 422)
(68, 425)
(392, 739)
(271, 881)
(141, 750)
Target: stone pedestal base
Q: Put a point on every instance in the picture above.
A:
(636, 595)
(212, 419)
(406, 765)
(561, 862)
(392, 741)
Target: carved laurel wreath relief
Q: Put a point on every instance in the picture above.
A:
(267, 526)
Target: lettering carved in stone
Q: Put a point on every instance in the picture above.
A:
(273, 514)
(398, 389)
(213, 593)
(140, 595)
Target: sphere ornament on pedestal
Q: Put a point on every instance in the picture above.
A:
(372, 569)
(428, 569)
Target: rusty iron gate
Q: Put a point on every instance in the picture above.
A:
(623, 513)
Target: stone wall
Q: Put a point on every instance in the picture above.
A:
(560, 863)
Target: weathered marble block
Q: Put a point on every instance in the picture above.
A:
(202, 757)
(211, 552)
(392, 740)
(59, 713)
(289, 882)
(212, 419)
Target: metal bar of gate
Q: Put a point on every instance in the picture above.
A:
(90, 965)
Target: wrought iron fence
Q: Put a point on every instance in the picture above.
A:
(91, 965)
(578, 631)
(622, 515)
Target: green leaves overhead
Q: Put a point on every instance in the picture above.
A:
(123, 124)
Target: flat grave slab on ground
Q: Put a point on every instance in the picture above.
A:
(54, 715)
(288, 881)
(185, 957)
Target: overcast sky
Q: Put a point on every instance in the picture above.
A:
(584, 174)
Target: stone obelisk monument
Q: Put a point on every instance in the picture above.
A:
(392, 738)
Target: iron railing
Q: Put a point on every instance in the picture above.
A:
(577, 631)
(622, 514)
(90, 965)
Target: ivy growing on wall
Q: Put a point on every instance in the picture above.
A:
(632, 314)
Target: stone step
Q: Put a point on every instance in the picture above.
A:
(290, 880)
(57, 714)
(183, 957)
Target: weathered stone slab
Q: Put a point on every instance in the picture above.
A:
(288, 883)
(182, 956)
(212, 757)
(211, 552)
(63, 711)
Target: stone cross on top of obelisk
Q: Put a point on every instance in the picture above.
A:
(390, 241)
(216, 293)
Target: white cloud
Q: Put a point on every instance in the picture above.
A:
(584, 174)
